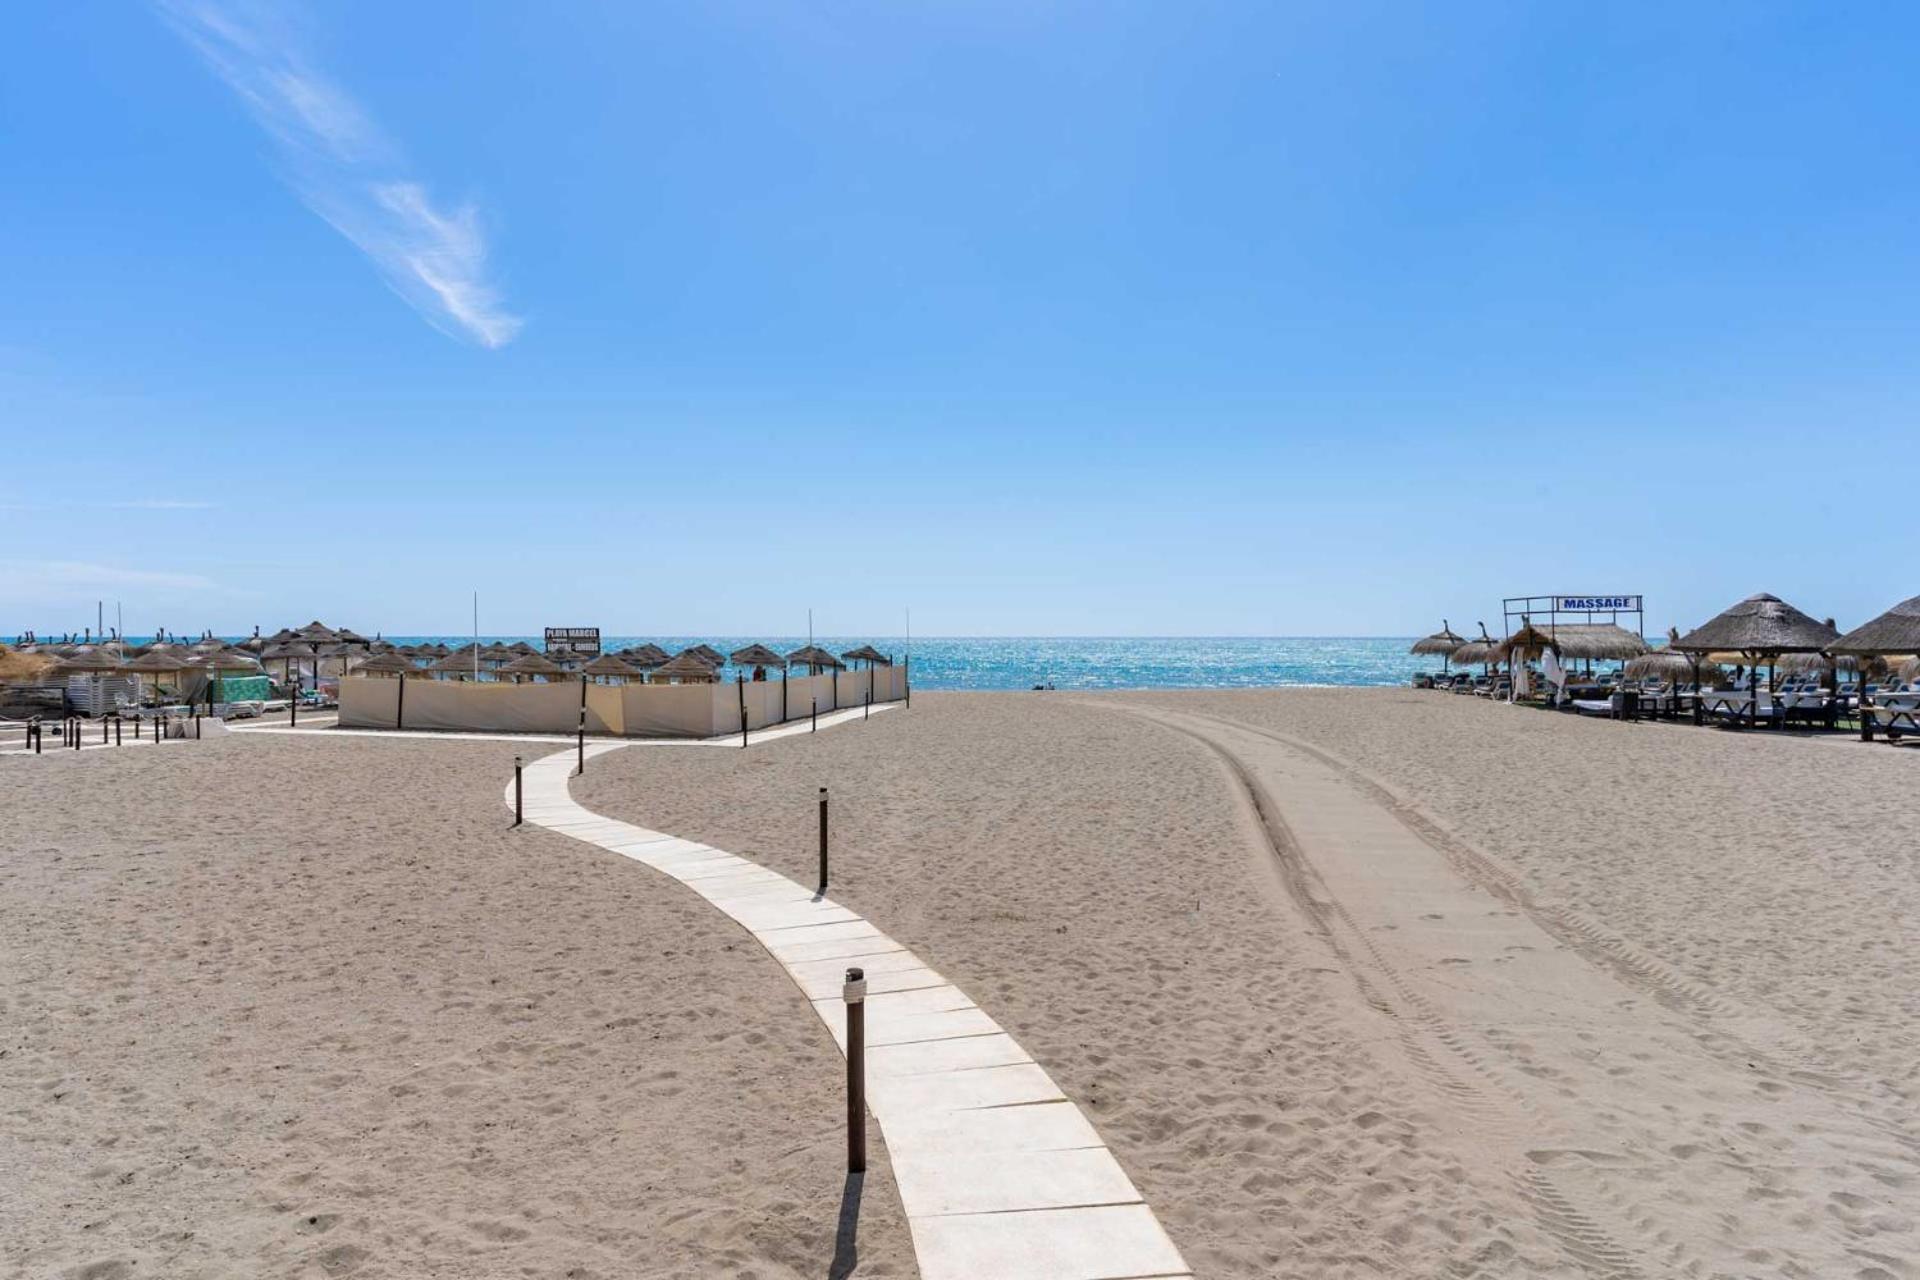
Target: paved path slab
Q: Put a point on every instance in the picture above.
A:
(1000, 1175)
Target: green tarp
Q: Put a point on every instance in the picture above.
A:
(243, 689)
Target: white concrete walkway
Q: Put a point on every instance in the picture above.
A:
(1000, 1175)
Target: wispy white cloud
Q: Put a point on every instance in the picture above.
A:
(346, 169)
(81, 573)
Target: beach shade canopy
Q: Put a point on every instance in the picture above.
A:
(646, 655)
(1759, 626)
(711, 654)
(532, 664)
(868, 654)
(1895, 631)
(687, 668)
(1475, 652)
(288, 652)
(1442, 642)
(385, 664)
(1599, 640)
(1527, 642)
(611, 665)
(521, 646)
(497, 652)
(317, 632)
(1665, 664)
(88, 660)
(756, 655)
(232, 660)
(158, 659)
(814, 656)
(453, 664)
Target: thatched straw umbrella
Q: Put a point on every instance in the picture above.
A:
(532, 664)
(612, 670)
(646, 655)
(815, 659)
(1442, 642)
(759, 657)
(84, 661)
(1895, 631)
(1602, 641)
(708, 652)
(385, 664)
(456, 664)
(521, 646)
(868, 654)
(685, 668)
(1662, 664)
(1759, 628)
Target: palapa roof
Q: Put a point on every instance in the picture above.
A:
(1441, 641)
(756, 655)
(813, 655)
(867, 653)
(1476, 651)
(282, 651)
(533, 664)
(457, 664)
(385, 664)
(608, 664)
(159, 658)
(95, 659)
(710, 653)
(521, 646)
(233, 660)
(1760, 624)
(646, 655)
(1528, 639)
(317, 632)
(1895, 631)
(497, 652)
(688, 666)
(1596, 640)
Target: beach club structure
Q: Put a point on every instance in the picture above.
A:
(637, 693)
(1760, 662)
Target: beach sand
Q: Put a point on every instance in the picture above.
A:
(1353, 983)
(280, 1006)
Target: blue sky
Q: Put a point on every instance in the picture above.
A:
(1038, 318)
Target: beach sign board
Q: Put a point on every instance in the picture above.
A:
(1596, 604)
(573, 642)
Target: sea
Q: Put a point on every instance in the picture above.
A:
(1086, 662)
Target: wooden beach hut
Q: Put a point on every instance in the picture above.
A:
(610, 669)
(685, 668)
(532, 666)
(1893, 633)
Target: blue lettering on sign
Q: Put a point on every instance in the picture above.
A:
(1594, 604)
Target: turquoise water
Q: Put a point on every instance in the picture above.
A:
(1183, 662)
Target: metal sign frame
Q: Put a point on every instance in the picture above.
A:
(1547, 611)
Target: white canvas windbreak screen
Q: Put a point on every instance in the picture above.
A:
(634, 710)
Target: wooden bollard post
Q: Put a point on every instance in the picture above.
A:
(855, 994)
(741, 682)
(823, 840)
(117, 740)
(816, 716)
(519, 796)
(293, 707)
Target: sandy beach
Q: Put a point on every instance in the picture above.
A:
(1352, 983)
